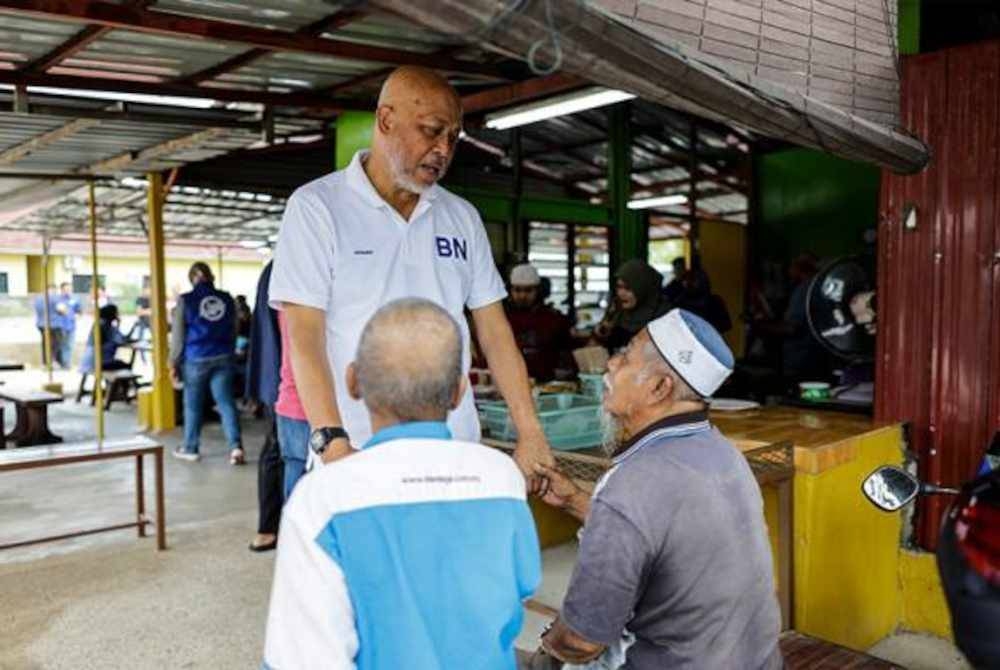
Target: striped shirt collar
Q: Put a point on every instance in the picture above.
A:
(675, 425)
(430, 430)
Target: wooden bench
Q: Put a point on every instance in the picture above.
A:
(32, 419)
(85, 452)
(118, 385)
(800, 652)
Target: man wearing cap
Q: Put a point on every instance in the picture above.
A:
(542, 333)
(674, 567)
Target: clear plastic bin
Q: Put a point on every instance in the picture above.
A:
(592, 385)
(570, 421)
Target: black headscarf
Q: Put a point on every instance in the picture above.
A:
(646, 283)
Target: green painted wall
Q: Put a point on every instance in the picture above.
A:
(908, 29)
(811, 201)
(353, 132)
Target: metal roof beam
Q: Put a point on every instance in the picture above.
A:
(29, 146)
(314, 29)
(119, 162)
(168, 88)
(124, 113)
(74, 44)
(136, 19)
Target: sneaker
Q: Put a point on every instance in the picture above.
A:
(184, 455)
(236, 457)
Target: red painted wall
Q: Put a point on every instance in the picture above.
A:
(939, 285)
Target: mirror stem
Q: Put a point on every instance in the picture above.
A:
(933, 489)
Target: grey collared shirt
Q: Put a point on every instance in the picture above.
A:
(675, 550)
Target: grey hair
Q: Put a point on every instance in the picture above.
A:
(654, 364)
(409, 360)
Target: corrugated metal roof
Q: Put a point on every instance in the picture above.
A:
(279, 14)
(189, 213)
(25, 39)
(147, 57)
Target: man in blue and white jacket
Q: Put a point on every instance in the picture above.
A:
(417, 551)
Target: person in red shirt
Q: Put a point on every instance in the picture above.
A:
(542, 333)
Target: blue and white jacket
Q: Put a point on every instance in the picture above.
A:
(414, 553)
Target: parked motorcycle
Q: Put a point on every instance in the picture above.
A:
(968, 553)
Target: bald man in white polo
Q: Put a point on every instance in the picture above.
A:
(380, 230)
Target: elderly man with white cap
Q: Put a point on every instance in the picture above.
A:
(674, 567)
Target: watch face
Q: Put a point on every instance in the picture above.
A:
(317, 441)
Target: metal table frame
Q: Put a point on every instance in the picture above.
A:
(86, 452)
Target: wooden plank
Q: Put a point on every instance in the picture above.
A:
(737, 38)
(730, 7)
(732, 22)
(77, 452)
(512, 94)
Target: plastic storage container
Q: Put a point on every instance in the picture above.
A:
(592, 385)
(570, 421)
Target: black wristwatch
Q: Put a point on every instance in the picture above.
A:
(321, 437)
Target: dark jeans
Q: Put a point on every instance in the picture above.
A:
(55, 335)
(270, 475)
(293, 439)
(202, 376)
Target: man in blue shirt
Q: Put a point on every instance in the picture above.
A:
(55, 331)
(202, 342)
(417, 551)
(67, 309)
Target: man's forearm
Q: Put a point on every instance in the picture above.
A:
(564, 644)
(177, 334)
(578, 505)
(313, 377)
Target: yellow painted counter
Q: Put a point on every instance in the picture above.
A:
(853, 583)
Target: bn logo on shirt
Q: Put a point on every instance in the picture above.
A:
(452, 247)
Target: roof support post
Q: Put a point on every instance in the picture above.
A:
(94, 294)
(630, 229)
(516, 235)
(47, 332)
(161, 418)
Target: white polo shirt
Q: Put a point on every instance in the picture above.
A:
(345, 250)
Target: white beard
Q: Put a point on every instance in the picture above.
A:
(399, 176)
(612, 433)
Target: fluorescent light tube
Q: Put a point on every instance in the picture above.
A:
(588, 98)
(661, 201)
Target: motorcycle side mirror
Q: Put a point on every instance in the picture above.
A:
(890, 488)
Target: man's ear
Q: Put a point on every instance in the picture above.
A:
(456, 399)
(661, 389)
(353, 388)
(383, 118)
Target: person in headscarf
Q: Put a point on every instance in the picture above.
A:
(638, 300)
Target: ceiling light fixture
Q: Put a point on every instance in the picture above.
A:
(660, 201)
(578, 101)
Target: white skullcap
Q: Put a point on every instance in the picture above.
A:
(524, 274)
(694, 349)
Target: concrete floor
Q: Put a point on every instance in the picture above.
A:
(112, 601)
